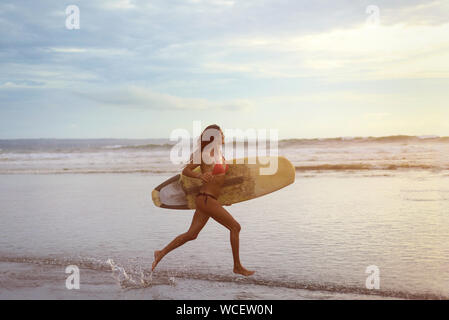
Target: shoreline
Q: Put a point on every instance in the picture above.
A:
(101, 284)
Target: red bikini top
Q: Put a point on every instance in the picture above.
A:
(220, 168)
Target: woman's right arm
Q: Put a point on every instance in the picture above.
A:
(188, 172)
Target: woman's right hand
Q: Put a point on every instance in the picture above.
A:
(206, 177)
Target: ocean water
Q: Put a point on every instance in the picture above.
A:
(153, 155)
(356, 203)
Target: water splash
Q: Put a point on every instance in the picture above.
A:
(129, 280)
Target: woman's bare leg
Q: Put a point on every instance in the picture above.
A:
(222, 216)
(198, 222)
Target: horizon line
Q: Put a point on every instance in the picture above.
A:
(429, 136)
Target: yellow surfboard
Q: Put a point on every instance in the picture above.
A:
(244, 180)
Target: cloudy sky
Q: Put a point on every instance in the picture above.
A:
(141, 68)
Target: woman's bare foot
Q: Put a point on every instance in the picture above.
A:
(157, 257)
(243, 271)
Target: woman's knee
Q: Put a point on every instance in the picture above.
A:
(189, 236)
(235, 227)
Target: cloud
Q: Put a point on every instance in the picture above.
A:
(68, 50)
(119, 4)
(376, 116)
(363, 52)
(421, 13)
(144, 98)
(21, 84)
(102, 52)
(44, 76)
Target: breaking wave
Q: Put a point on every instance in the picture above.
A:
(367, 166)
(351, 140)
(91, 145)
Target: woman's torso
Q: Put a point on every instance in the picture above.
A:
(213, 187)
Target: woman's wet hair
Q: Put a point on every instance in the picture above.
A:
(204, 141)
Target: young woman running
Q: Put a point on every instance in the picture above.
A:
(213, 171)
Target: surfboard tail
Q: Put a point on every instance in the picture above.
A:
(156, 198)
